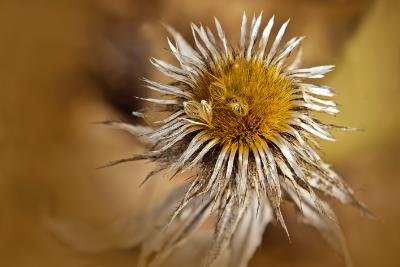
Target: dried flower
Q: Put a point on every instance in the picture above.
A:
(242, 116)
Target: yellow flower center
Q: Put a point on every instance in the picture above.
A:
(242, 101)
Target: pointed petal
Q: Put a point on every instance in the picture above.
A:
(201, 154)
(311, 73)
(277, 41)
(253, 36)
(184, 47)
(243, 30)
(221, 35)
(327, 225)
(264, 38)
(225, 228)
(286, 51)
(249, 232)
(297, 60)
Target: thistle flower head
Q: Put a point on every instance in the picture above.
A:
(243, 117)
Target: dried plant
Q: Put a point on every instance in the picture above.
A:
(242, 117)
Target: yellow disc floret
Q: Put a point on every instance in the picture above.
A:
(248, 100)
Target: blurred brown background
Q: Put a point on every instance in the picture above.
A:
(68, 63)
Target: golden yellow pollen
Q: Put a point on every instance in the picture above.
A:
(248, 100)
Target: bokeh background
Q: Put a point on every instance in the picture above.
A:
(68, 63)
